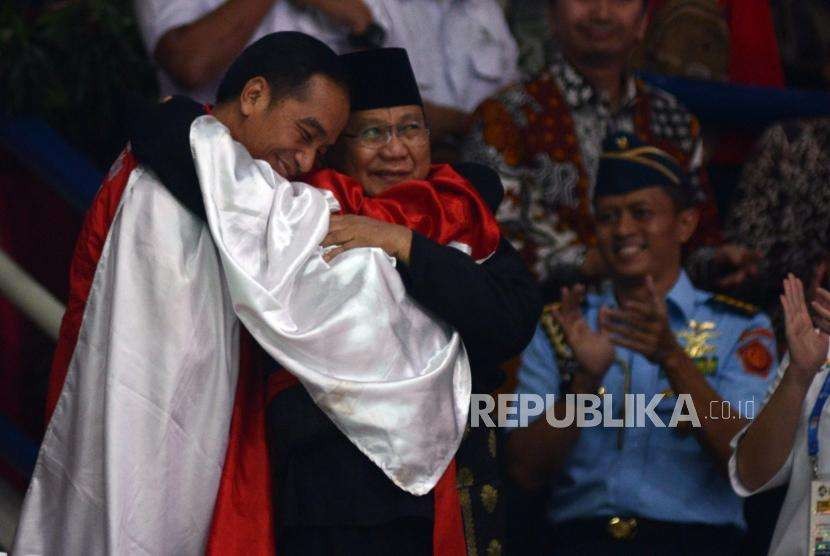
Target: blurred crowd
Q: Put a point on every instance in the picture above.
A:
(482, 68)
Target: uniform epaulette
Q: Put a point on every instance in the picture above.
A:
(555, 333)
(736, 304)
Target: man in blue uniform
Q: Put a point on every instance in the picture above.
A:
(642, 489)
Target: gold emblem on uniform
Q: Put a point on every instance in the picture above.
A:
(494, 548)
(465, 477)
(698, 339)
(489, 498)
(622, 529)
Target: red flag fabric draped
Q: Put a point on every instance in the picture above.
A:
(88, 250)
(243, 517)
(446, 208)
(448, 527)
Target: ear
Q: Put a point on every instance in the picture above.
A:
(687, 220)
(255, 96)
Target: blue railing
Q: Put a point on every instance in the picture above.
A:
(742, 107)
(41, 149)
(18, 450)
(44, 152)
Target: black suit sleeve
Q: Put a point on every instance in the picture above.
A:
(486, 181)
(494, 305)
(160, 141)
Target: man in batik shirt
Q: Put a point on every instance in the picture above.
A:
(544, 135)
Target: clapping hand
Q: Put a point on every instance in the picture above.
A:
(808, 347)
(592, 349)
(643, 326)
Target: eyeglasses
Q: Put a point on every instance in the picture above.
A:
(413, 134)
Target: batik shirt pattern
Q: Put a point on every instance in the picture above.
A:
(544, 136)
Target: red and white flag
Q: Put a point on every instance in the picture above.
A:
(133, 455)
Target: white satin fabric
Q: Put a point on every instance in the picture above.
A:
(391, 377)
(131, 460)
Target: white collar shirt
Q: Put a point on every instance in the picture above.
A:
(791, 530)
(462, 51)
(157, 17)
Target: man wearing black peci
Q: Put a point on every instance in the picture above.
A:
(331, 499)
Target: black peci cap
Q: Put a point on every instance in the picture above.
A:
(381, 78)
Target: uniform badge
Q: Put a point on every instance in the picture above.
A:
(698, 338)
(756, 358)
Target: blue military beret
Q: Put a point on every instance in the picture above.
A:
(628, 164)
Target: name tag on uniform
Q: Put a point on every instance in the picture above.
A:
(820, 518)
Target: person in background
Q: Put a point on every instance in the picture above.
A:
(786, 444)
(544, 135)
(686, 38)
(462, 52)
(781, 210)
(803, 31)
(194, 41)
(753, 56)
(615, 490)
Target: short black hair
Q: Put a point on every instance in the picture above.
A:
(287, 60)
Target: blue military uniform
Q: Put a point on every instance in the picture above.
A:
(657, 473)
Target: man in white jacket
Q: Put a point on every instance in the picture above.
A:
(145, 374)
(786, 443)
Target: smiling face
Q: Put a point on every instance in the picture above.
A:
(593, 32)
(642, 233)
(290, 133)
(405, 157)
